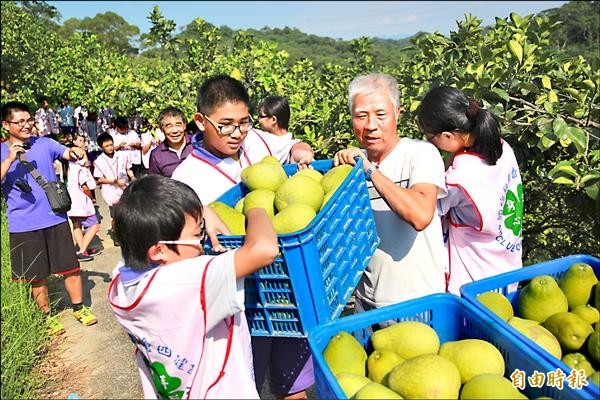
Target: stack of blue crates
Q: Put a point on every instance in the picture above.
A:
(318, 267)
(502, 284)
(453, 318)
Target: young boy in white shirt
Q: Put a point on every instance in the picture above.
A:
(229, 145)
(182, 309)
(230, 142)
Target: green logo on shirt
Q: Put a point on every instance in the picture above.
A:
(513, 210)
(164, 383)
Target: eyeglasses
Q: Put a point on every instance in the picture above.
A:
(262, 116)
(227, 130)
(21, 123)
(190, 242)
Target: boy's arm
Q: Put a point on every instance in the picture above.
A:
(260, 244)
(301, 154)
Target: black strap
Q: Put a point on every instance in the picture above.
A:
(34, 172)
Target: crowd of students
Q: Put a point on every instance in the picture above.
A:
(439, 224)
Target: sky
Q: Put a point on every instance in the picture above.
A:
(336, 19)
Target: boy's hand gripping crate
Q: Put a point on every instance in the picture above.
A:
(453, 318)
(318, 267)
(504, 282)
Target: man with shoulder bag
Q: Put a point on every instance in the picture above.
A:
(41, 243)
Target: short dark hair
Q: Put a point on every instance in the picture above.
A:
(277, 106)
(9, 108)
(41, 99)
(218, 90)
(104, 137)
(151, 209)
(170, 111)
(121, 122)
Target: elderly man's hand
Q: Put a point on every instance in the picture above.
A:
(348, 157)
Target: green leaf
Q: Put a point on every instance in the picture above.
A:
(561, 180)
(547, 142)
(593, 191)
(501, 93)
(516, 50)
(516, 19)
(546, 84)
(589, 177)
(552, 97)
(414, 105)
(578, 137)
(559, 126)
(568, 169)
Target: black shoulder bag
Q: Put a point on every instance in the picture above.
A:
(56, 192)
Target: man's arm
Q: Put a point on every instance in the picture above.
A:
(416, 205)
(73, 154)
(13, 152)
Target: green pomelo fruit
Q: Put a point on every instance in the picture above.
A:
(578, 361)
(541, 298)
(375, 391)
(380, 363)
(587, 312)
(498, 304)
(260, 198)
(299, 189)
(427, 376)
(595, 378)
(270, 159)
(593, 346)
(407, 338)
(345, 354)
(335, 176)
(235, 220)
(473, 357)
(293, 218)
(540, 335)
(263, 175)
(239, 206)
(570, 329)
(311, 173)
(490, 386)
(577, 283)
(326, 198)
(351, 383)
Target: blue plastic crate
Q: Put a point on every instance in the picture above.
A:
(500, 283)
(452, 318)
(318, 267)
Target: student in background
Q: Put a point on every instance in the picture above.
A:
(82, 212)
(127, 141)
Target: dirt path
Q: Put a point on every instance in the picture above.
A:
(98, 359)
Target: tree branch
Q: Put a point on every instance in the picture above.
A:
(533, 107)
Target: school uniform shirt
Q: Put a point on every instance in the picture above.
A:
(111, 168)
(31, 211)
(187, 322)
(483, 217)
(151, 138)
(408, 264)
(81, 204)
(135, 155)
(46, 121)
(211, 176)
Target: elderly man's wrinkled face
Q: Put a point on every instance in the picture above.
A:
(374, 119)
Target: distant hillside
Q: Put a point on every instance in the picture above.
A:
(320, 50)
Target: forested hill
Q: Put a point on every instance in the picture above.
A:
(320, 50)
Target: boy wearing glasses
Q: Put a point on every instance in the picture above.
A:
(230, 142)
(41, 243)
(182, 309)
